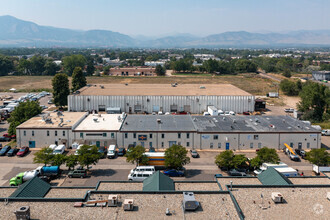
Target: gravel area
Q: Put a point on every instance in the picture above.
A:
(6, 192)
(321, 181)
(238, 181)
(300, 203)
(147, 206)
(66, 193)
(131, 186)
(197, 187)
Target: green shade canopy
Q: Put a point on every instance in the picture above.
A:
(158, 182)
(34, 187)
(272, 177)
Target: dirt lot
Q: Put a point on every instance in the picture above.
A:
(251, 83)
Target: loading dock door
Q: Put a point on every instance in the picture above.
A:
(101, 108)
(174, 108)
(186, 108)
(155, 108)
(137, 108)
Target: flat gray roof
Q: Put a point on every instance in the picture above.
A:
(250, 124)
(150, 123)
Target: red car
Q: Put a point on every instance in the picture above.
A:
(10, 136)
(23, 151)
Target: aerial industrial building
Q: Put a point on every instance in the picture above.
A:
(148, 98)
(162, 131)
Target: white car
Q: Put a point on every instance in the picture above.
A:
(139, 176)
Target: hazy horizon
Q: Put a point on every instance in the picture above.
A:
(154, 18)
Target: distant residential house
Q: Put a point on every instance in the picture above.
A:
(154, 63)
(132, 71)
(321, 75)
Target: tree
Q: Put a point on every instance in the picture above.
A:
(225, 159)
(23, 112)
(137, 156)
(245, 66)
(176, 157)
(319, 157)
(71, 161)
(43, 156)
(268, 155)
(6, 65)
(290, 88)
(90, 68)
(51, 68)
(88, 155)
(255, 162)
(37, 65)
(73, 61)
(78, 79)
(160, 71)
(58, 160)
(239, 161)
(61, 89)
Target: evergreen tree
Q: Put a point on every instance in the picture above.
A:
(61, 89)
(78, 79)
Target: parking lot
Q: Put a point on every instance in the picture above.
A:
(202, 168)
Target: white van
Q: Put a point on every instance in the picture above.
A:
(143, 168)
(112, 151)
(59, 149)
(76, 152)
(52, 146)
(139, 176)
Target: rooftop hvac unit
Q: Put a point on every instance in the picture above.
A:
(277, 197)
(128, 204)
(159, 121)
(202, 87)
(189, 201)
(328, 195)
(113, 200)
(23, 213)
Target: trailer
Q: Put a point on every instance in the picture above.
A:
(156, 158)
(319, 169)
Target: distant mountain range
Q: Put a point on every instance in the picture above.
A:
(18, 33)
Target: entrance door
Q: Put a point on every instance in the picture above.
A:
(32, 144)
(155, 108)
(299, 145)
(171, 143)
(227, 146)
(186, 108)
(97, 144)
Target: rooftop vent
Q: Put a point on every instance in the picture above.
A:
(102, 87)
(95, 119)
(189, 201)
(126, 84)
(202, 87)
(277, 197)
(159, 121)
(173, 85)
(113, 200)
(128, 205)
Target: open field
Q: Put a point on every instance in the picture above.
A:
(251, 83)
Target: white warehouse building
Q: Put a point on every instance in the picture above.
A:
(140, 98)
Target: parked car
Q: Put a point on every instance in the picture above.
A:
(130, 147)
(289, 110)
(4, 139)
(12, 152)
(300, 152)
(10, 136)
(77, 173)
(194, 154)
(234, 172)
(174, 173)
(103, 152)
(23, 151)
(121, 151)
(139, 175)
(50, 101)
(4, 150)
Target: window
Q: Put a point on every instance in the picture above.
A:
(63, 133)
(211, 145)
(55, 133)
(112, 135)
(32, 133)
(219, 145)
(308, 145)
(179, 135)
(139, 175)
(251, 145)
(126, 135)
(188, 135)
(163, 135)
(81, 135)
(93, 134)
(188, 144)
(162, 144)
(24, 133)
(104, 134)
(134, 135)
(259, 145)
(256, 137)
(215, 137)
(150, 135)
(150, 144)
(47, 133)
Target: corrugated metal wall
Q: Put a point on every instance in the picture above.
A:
(198, 104)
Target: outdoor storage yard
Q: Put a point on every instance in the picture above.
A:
(146, 206)
(299, 203)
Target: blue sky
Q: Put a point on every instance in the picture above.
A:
(161, 17)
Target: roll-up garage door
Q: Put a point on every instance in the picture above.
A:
(174, 108)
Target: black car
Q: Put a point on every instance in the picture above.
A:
(300, 152)
(234, 172)
(4, 150)
(103, 152)
(4, 139)
(12, 152)
(121, 151)
(130, 147)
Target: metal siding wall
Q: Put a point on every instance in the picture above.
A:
(237, 104)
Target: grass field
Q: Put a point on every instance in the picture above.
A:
(251, 83)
